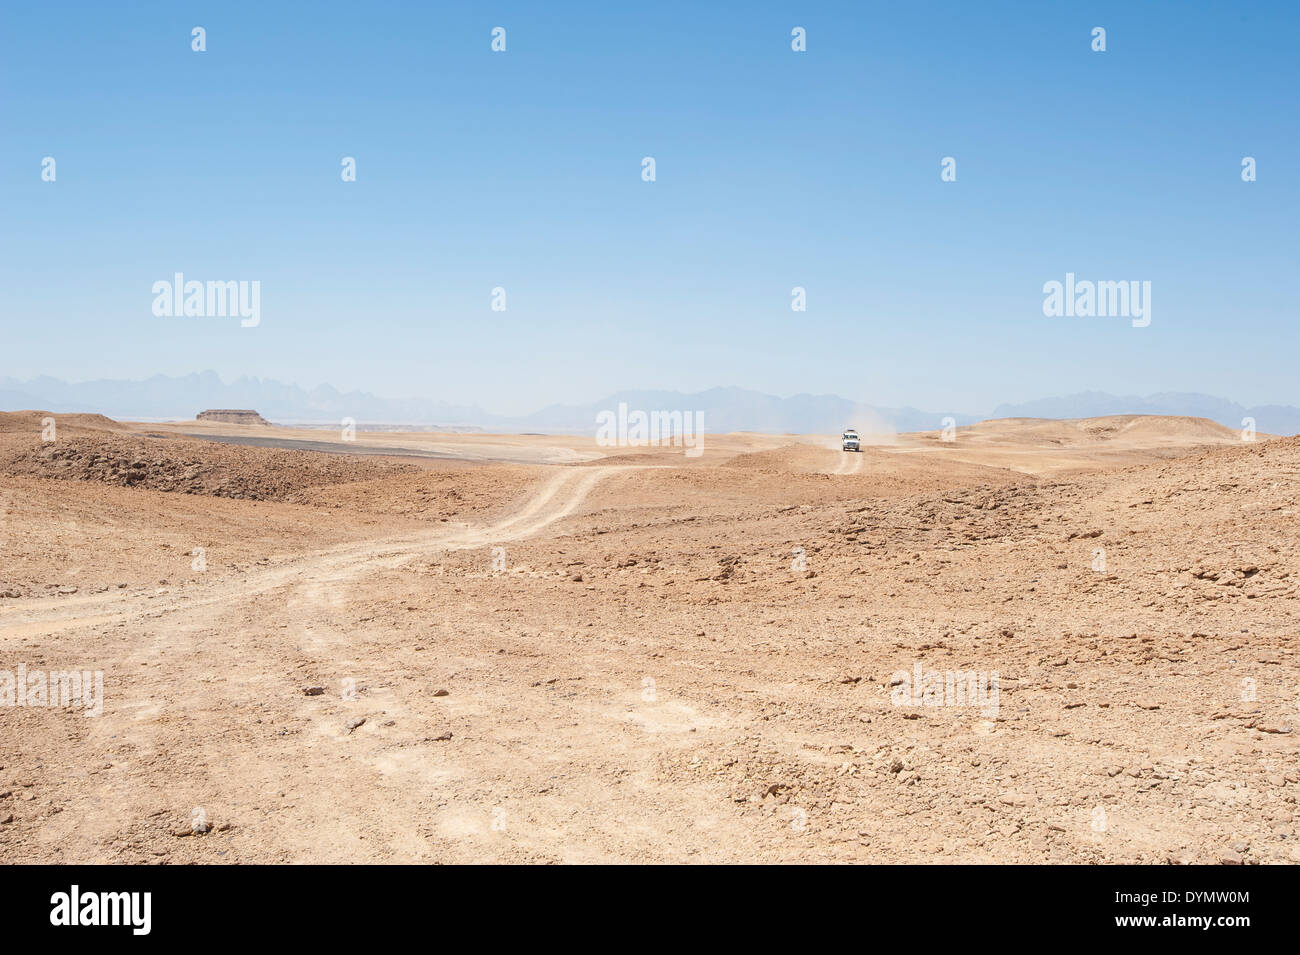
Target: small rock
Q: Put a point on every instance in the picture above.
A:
(313, 690)
(353, 723)
(441, 692)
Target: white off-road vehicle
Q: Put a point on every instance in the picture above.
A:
(851, 441)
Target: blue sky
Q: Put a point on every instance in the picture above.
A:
(775, 169)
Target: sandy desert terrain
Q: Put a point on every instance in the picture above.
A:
(487, 648)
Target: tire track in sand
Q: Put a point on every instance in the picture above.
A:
(559, 497)
(850, 463)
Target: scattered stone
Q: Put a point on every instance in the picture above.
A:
(1273, 727)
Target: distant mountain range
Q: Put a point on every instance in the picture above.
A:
(166, 398)
(724, 409)
(738, 409)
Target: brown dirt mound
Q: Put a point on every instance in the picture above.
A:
(440, 493)
(1125, 430)
(31, 422)
(796, 458)
(649, 457)
(189, 467)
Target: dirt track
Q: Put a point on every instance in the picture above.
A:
(849, 463)
(677, 660)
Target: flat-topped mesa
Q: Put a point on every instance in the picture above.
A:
(231, 416)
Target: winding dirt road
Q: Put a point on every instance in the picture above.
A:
(557, 498)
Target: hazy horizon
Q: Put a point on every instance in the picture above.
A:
(728, 407)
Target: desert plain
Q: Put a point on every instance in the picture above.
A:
(465, 648)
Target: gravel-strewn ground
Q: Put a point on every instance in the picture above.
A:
(666, 660)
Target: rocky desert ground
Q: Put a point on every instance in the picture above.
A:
(485, 648)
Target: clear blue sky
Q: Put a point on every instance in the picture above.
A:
(775, 169)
